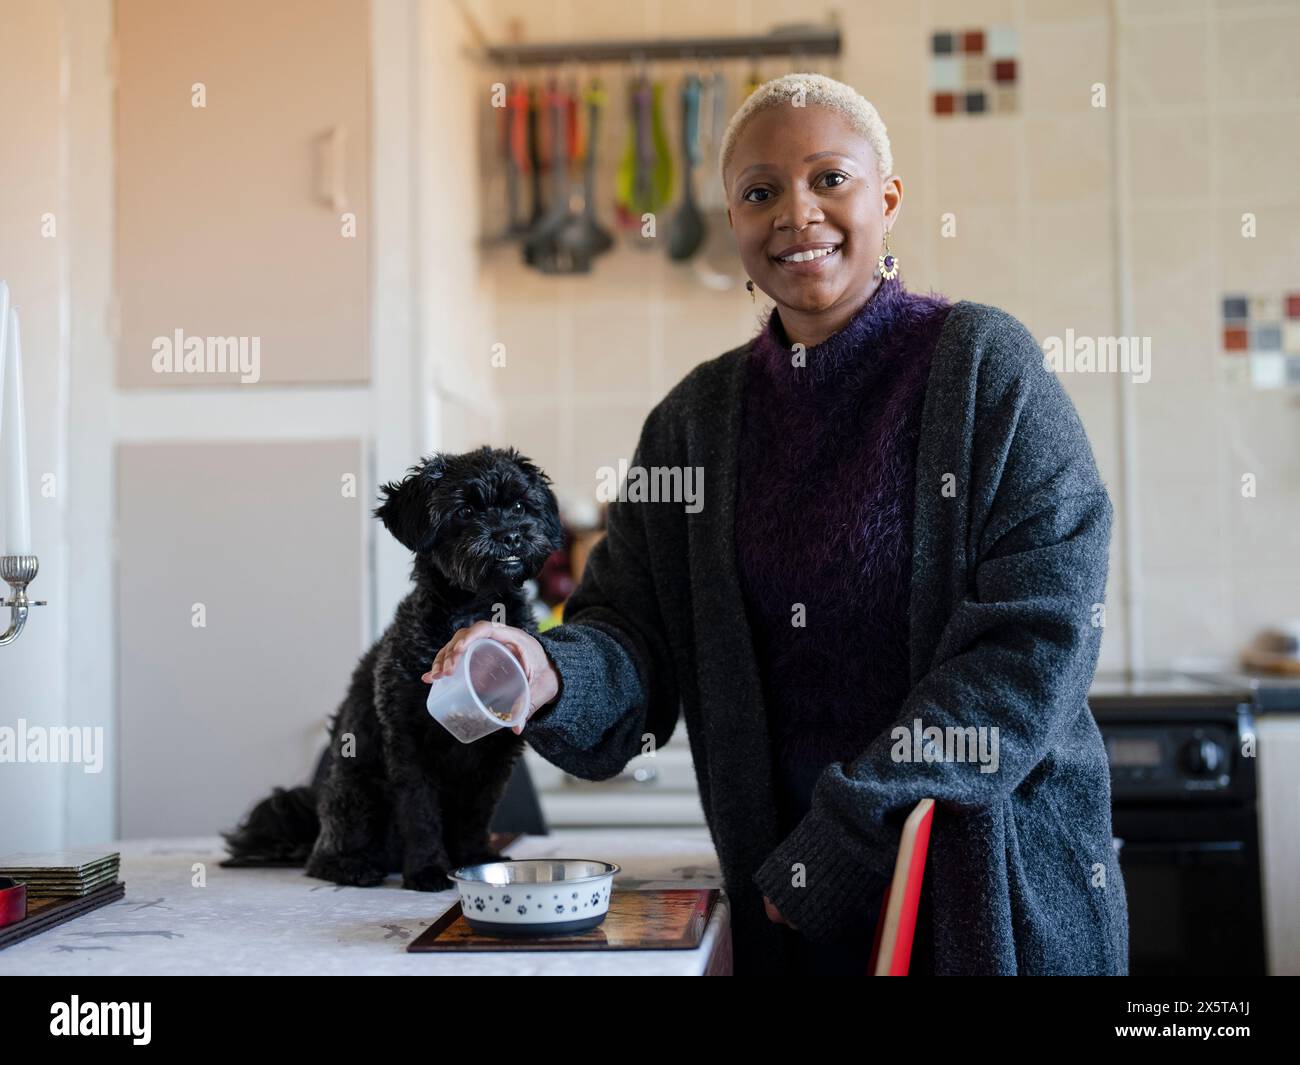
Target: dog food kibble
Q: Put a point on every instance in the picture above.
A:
(471, 718)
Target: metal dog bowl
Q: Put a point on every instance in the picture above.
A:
(535, 896)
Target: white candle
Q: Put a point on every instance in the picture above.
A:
(13, 449)
(4, 346)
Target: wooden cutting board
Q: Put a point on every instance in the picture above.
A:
(637, 920)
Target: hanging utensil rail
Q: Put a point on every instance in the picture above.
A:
(808, 41)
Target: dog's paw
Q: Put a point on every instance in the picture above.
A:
(345, 869)
(427, 878)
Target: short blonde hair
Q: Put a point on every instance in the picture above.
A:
(811, 89)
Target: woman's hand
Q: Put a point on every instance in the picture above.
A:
(773, 914)
(543, 682)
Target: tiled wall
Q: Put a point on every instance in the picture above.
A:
(1070, 215)
(1214, 135)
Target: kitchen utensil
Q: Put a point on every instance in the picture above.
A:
(539, 103)
(686, 231)
(582, 237)
(573, 243)
(629, 181)
(542, 247)
(717, 264)
(516, 153)
(535, 896)
(488, 691)
(534, 149)
(600, 239)
(537, 245)
(645, 176)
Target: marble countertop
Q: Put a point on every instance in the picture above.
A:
(185, 915)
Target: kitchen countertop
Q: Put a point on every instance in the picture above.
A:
(1268, 693)
(280, 922)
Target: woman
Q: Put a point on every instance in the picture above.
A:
(903, 529)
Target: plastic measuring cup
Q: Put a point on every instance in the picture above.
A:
(487, 692)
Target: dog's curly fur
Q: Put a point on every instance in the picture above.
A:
(406, 795)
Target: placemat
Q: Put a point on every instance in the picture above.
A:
(637, 920)
(43, 914)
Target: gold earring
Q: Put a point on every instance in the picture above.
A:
(887, 263)
(749, 284)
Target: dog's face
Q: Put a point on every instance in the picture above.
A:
(486, 519)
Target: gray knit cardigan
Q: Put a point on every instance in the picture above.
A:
(1010, 554)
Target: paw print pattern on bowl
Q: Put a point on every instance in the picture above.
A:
(518, 899)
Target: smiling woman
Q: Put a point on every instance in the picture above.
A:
(811, 197)
(904, 530)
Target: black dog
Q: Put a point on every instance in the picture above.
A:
(395, 790)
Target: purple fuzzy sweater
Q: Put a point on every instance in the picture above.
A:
(824, 528)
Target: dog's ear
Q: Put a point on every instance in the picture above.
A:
(405, 510)
(542, 499)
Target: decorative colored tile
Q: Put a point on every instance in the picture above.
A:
(1235, 338)
(1235, 308)
(1000, 42)
(960, 65)
(1233, 371)
(1267, 369)
(1291, 336)
(944, 75)
(1266, 337)
(1293, 305)
(1265, 308)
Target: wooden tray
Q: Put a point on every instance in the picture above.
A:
(637, 920)
(43, 914)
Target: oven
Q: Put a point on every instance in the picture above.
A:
(1185, 818)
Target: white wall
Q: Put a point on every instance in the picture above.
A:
(34, 166)
(56, 154)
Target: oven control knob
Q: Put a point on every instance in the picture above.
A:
(1204, 756)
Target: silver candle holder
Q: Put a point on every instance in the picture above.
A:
(18, 571)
